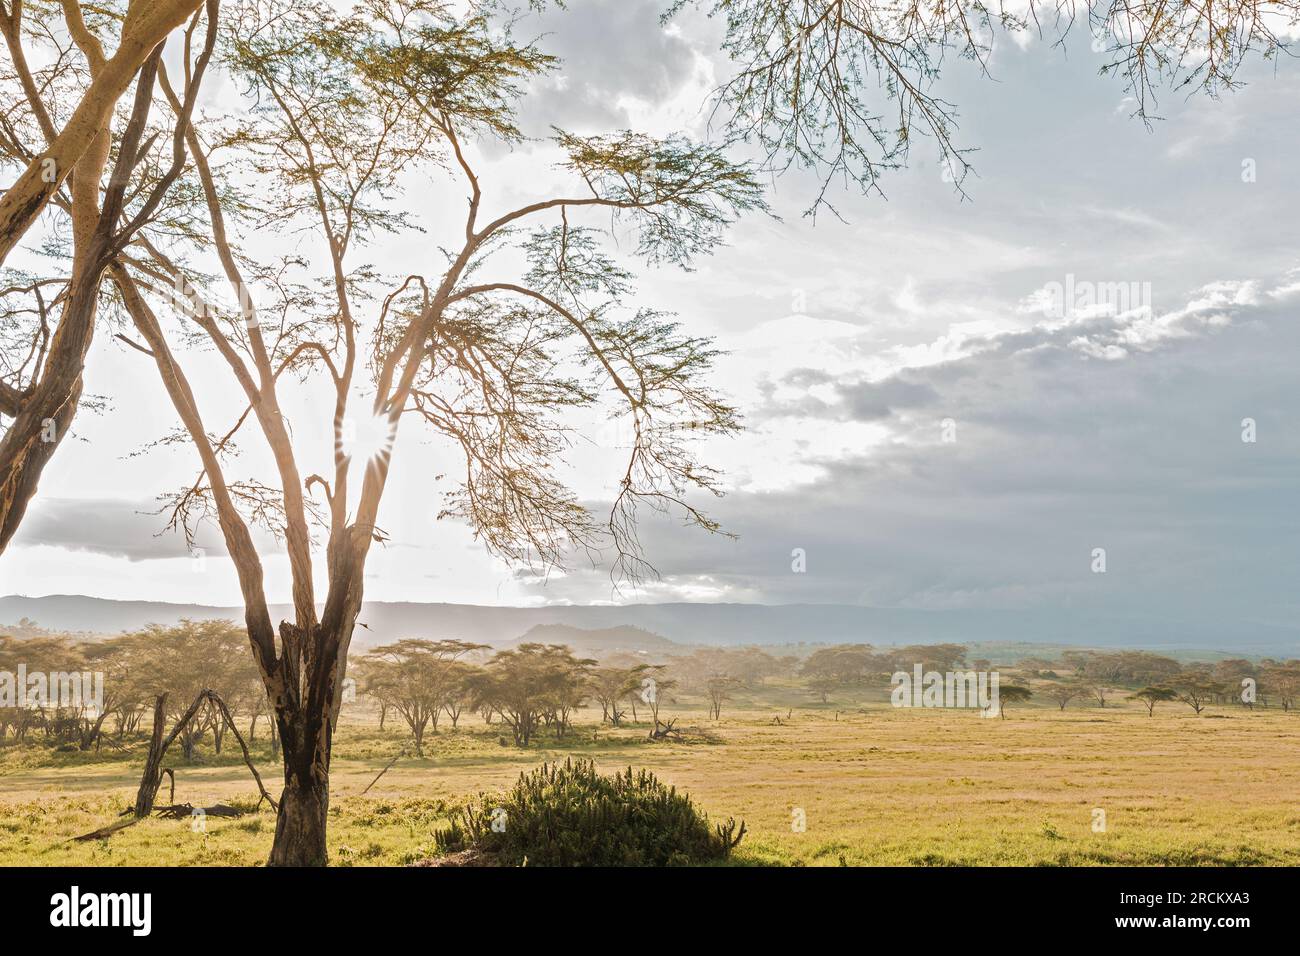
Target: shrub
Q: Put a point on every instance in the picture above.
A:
(570, 815)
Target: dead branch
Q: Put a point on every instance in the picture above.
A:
(230, 722)
(151, 780)
(665, 731)
(384, 771)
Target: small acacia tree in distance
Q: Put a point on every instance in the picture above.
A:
(1281, 682)
(719, 688)
(1014, 694)
(187, 658)
(652, 686)
(1197, 689)
(568, 685)
(823, 686)
(458, 692)
(1150, 696)
(1097, 690)
(610, 687)
(843, 665)
(1062, 692)
(488, 355)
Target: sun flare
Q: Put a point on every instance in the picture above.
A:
(367, 439)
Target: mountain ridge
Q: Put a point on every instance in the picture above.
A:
(701, 623)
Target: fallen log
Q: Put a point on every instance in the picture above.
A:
(663, 731)
(175, 811)
(105, 832)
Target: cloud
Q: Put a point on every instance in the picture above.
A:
(1056, 454)
(848, 400)
(612, 52)
(118, 528)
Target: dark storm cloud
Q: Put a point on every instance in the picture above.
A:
(1057, 452)
(127, 529)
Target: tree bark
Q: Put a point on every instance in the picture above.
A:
(151, 779)
(301, 821)
(300, 825)
(91, 734)
(305, 717)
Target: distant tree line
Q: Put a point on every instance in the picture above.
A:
(1079, 675)
(137, 667)
(536, 688)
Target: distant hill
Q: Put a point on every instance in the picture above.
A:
(597, 642)
(706, 624)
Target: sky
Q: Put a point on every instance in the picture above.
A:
(939, 411)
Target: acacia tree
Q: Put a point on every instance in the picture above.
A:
(117, 183)
(118, 660)
(823, 686)
(1281, 680)
(1150, 696)
(182, 662)
(1011, 693)
(842, 665)
(1197, 689)
(1063, 692)
(719, 688)
(458, 692)
(652, 685)
(529, 684)
(487, 357)
(1097, 690)
(567, 685)
(46, 705)
(611, 686)
(415, 678)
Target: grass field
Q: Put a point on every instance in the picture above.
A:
(876, 785)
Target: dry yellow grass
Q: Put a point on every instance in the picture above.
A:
(876, 786)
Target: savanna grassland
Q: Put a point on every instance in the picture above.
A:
(877, 785)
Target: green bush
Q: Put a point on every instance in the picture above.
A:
(571, 815)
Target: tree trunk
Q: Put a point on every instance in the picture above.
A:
(151, 779)
(300, 824)
(91, 735)
(306, 726)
